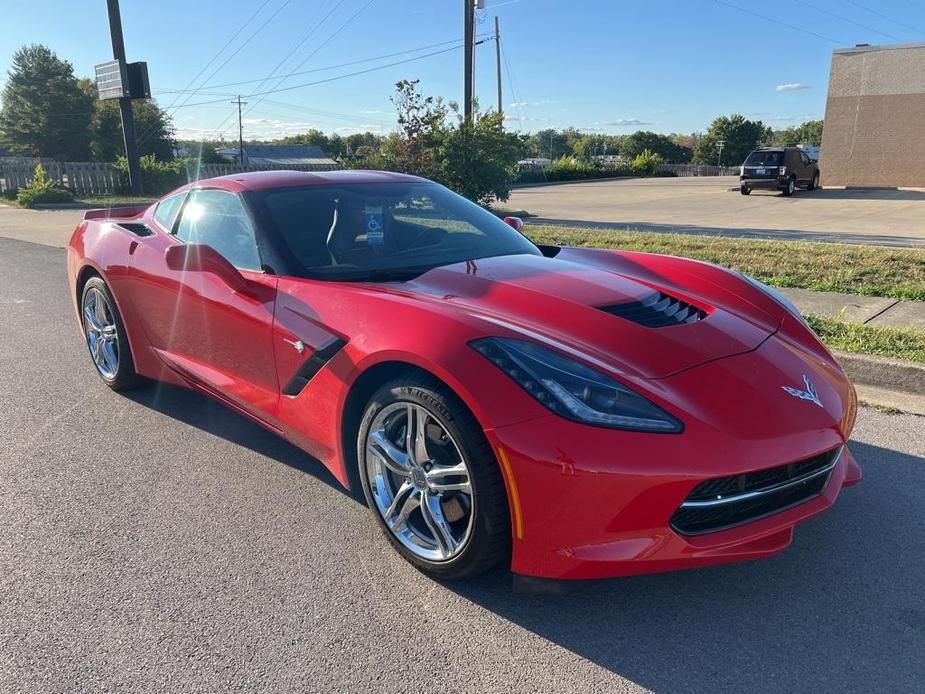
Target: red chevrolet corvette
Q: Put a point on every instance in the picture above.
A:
(578, 413)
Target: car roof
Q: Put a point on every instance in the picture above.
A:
(263, 180)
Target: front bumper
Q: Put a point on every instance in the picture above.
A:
(596, 503)
(776, 183)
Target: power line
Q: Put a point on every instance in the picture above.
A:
(777, 21)
(886, 17)
(228, 59)
(845, 19)
(324, 43)
(317, 69)
(221, 50)
(350, 74)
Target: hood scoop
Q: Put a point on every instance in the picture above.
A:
(658, 310)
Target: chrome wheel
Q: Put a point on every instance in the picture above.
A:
(102, 336)
(419, 481)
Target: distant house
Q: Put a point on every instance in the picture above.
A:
(278, 156)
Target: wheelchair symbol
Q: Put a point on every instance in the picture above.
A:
(373, 225)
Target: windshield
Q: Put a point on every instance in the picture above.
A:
(383, 230)
(764, 159)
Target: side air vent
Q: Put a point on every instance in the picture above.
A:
(657, 310)
(135, 228)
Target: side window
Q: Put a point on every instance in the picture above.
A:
(167, 210)
(805, 158)
(218, 219)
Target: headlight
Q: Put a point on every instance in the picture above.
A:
(573, 390)
(778, 297)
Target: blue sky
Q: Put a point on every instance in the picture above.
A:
(599, 65)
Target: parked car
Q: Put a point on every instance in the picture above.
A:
(570, 412)
(778, 168)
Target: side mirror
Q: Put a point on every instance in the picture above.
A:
(198, 257)
(515, 223)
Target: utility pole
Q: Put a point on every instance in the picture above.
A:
(240, 129)
(719, 160)
(498, 62)
(125, 102)
(469, 10)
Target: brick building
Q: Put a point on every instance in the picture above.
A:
(874, 132)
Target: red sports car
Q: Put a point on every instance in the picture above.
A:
(578, 413)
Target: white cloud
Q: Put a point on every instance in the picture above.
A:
(791, 87)
(622, 123)
(526, 104)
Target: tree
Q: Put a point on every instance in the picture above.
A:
(421, 128)
(740, 136)
(662, 145)
(45, 112)
(549, 144)
(153, 128)
(479, 158)
(809, 132)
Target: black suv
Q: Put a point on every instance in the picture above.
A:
(782, 168)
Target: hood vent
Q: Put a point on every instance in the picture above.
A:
(657, 310)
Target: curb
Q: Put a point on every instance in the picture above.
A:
(889, 381)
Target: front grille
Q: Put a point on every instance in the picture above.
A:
(725, 502)
(657, 310)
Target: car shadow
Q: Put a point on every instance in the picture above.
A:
(841, 610)
(215, 418)
(894, 240)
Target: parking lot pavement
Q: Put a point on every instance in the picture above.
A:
(713, 205)
(156, 541)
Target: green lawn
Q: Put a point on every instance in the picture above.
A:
(829, 267)
(866, 339)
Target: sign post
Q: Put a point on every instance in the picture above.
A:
(113, 81)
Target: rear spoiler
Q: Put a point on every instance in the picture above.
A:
(116, 212)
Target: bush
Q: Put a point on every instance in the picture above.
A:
(158, 177)
(42, 189)
(646, 163)
(571, 169)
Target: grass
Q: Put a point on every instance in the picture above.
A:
(866, 339)
(828, 267)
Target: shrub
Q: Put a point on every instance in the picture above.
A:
(571, 169)
(42, 189)
(158, 177)
(646, 163)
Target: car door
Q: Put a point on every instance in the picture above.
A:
(214, 336)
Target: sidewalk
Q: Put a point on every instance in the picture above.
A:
(870, 310)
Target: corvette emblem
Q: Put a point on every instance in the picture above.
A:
(808, 394)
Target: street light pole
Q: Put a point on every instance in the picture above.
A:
(125, 102)
(719, 160)
(498, 62)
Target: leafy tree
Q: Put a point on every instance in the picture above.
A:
(589, 146)
(421, 129)
(479, 158)
(45, 112)
(646, 163)
(549, 143)
(740, 137)
(153, 129)
(809, 132)
(662, 145)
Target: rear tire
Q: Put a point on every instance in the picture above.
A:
(745, 190)
(459, 531)
(791, 186)
(106, 338)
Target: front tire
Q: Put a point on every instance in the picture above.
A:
(106, 339)
(431, 480)
(814, 183)
(745, 190)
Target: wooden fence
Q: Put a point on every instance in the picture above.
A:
(85, 178)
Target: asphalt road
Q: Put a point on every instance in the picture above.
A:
(713, 205)
(159, 542)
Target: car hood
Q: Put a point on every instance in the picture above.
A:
(562, 300)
